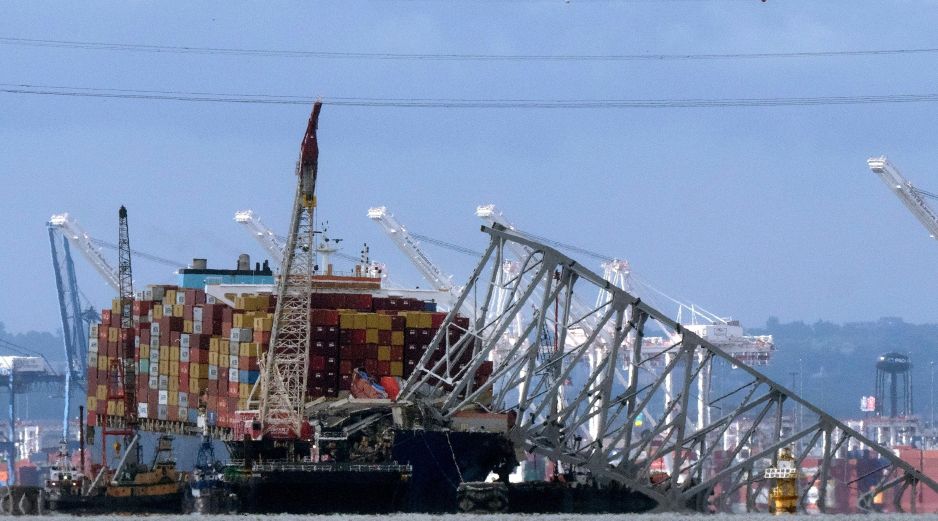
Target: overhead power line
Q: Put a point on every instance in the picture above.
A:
(449, 103)
(353, 55)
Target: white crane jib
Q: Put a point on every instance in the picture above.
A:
(264, 235)
(84, 242)
(440, 281)
(910, 195)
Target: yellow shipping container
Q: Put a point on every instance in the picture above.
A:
(347, 320)
(174, 368)
(164, 353)
(224, 346)
(384, 322)
(212, 358)
(113, 334)
(164, 367)
(244, 391)
(263, 323)
(173, 399)
(213, 344)
(116, 306)
(91, 404)
(413, 320)
(360, 321)
(371, 320)
(102, 363)
(198, 370)
(101, 392)
(384, 353)
(144, 351)
(397, 338)
(178, 310)
(371, 336)
(223, 361)
(173, 353)
(397, 368)
(425, 320)
(173, 386)
(169, 297)
(187, 326)
(157, 312)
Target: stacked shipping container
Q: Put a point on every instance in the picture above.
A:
(189, 348)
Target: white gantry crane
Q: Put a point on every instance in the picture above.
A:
(912, 197)
(80, 239)
(440, 281)
(268, 240)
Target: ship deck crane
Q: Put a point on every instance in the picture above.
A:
(913, 198)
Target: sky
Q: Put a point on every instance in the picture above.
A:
(750, 212)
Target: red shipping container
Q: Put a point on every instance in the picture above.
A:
(183, 384)
(326, 333)
(144, 335)
(324, 317)
(226, 329)
(436, 320)
(345, 367)
(398, 323)
(383, 368)
(262, 337)
(187, 312)
(371, 366)
(105, 316)
(233, 389)
(371, 352)
(317, 363)
(384, 337)
(345, 382)
(397, 353)
(211, 327)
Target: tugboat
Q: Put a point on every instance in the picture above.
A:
(209, 492)
(65, 483)
(131, 487)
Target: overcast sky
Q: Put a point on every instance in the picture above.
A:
(750, 212)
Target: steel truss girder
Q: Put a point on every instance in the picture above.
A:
(676, 462)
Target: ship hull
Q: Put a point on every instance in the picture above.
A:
(160, 503)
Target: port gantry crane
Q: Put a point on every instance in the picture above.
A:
(64, 233)
(913, 198)
(284, 369)
(409, 245)
(705, 474)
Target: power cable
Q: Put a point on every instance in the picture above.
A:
(449, 103)
(353, 55)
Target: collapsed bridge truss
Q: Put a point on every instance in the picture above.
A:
(563, 379)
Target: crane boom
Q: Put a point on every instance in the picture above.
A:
(440, 281)
(85, 244)
(910, 196)
(264, 235)
(285, 371)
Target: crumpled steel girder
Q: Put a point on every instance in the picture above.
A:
(557, 395)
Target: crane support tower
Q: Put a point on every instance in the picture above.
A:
(913, 198)
(125, 281)
(284, 371)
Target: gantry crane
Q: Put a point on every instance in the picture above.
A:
(284, 371)
(913, 198)
(268, 240)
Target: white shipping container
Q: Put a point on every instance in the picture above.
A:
(154, 330)
(93, 344)
(163, 397)
(167, 310)
(183, 399)
(153, 382)
(164, 382)
(233, 375)
(234, 347)
(213, 372)
(183, 354)
(92, 359)
(197, 314)
(184, 340)
(180, 297)
(183, 414)
(197, 327)
(210, 299)
(93, 331)
(148, 294)
(233, 362)
(142, 410)
(155, 343)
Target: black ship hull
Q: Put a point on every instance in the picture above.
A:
(163, 503)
